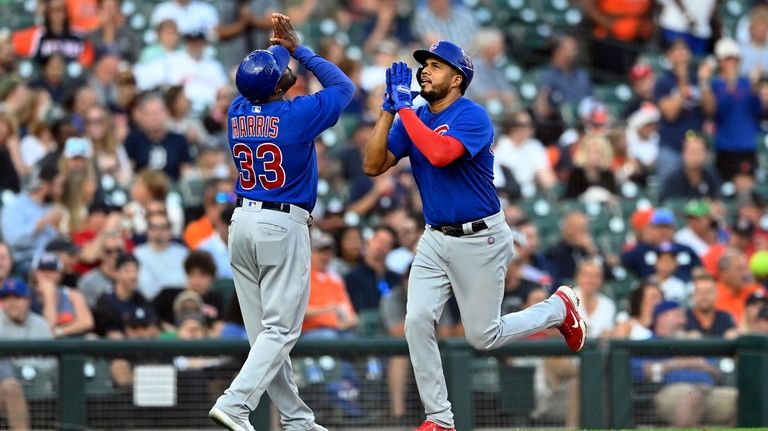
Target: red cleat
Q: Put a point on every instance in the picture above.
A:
(431, 426)
(574, 329)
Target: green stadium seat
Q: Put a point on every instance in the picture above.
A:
(369, 323)
(224, 287)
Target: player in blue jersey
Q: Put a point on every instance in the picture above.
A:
(272, 143)
(467, 246)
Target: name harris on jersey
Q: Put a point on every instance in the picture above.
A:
(255, 126)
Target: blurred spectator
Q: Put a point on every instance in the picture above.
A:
(126, 93)
(330, 313)
(752, 312)
(444, 20)
(664, 274)
(575, 245)
(139, 323)
(110, 158)
(592, 178)
(754, 52)
(84, 15)
(113, 34)
(735, 284)
(101, 279)
(740, 237)
(30, 221)
(6, 262)
(149, 195)
(64, 308)
(520, 159)
(691, 21)
(761, 322)
(216, 243)
(13, 95)
(620, 28)
(189, 15)
(597, 310)
(168, 42)
(67, 253)
(636, 325)
(642, 142)
(532, 260)
(700, 231)
(349, 250)
(244, 26)
(161, 260)
(200, 271)
(641, 259)
(53, 78)
(11, 163)
(696, 179)
(689, 393)
(370, 279)
(215, 121)
(643, 80)
(17, 322)
(36, 144)
(151, 145)
(181, 120)
(217, 193)
(103, 77)
(562, 81)
(54, 36)
(373, 75)
(490, 82)
(102, 220)
(684, 98)
(703, 319)
(738, 115)
(114, 309)
(77, 194)
(408, 235)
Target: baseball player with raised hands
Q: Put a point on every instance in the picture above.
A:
(272, 144)
(467, 246)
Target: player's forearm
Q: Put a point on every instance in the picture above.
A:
(440, 150)
(326, 72)
(376, 156)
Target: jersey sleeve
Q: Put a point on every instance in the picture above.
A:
(398, 141)
(473, 129)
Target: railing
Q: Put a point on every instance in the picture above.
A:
(605, 379)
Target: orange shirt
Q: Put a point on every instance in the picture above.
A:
(83, 15)
(326, 289)
(734, 303)
(632, 19)
(197, 232)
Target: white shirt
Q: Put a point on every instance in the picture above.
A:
(32, 150)
(672, 18)
(602, 319)
(644, 150)
(160, 269)
(218, 249)
(687, 236)
(523, 160)
(676, 290)
(753, 55)
(195, 16)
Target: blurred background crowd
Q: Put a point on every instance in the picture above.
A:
(630, 159)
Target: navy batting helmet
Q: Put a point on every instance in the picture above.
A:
(260, 71)
(451, 54)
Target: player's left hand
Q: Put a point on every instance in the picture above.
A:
(388, 104)
(400, 86)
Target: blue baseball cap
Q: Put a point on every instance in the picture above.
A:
(662, 216)
(14, 287)
(663, 307)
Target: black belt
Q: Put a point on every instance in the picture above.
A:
(274, 206)
(458, 230)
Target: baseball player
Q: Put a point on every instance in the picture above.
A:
(467, 245)
(272, 143)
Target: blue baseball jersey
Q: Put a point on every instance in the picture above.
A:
(272, 143)
(463, 191)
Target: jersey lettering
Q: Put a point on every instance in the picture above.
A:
(440, 130)
(255, 126)
(272, 165)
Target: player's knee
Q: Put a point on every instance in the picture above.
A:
(419, 323)
(480, 341)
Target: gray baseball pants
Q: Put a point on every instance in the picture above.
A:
(270, 256)
(473, 268)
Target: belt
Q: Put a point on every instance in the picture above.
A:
(274, 206)
(458, 229)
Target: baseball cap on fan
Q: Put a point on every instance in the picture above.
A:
(640, 71)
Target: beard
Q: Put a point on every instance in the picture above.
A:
(287, 80)
(438, 92)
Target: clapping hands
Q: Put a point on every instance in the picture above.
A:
(398, 93)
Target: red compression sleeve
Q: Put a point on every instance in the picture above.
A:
(440, 150)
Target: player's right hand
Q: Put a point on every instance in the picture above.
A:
(388, 104)
(400, 86)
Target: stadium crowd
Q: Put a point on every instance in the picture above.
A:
(116, 179)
